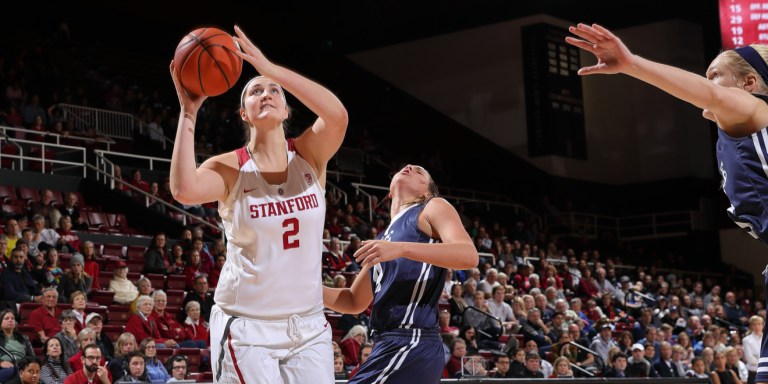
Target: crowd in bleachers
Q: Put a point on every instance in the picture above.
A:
(533, 308)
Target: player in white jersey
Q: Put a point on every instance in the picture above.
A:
(267, 325)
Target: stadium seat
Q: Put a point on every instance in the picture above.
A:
(29, 195)
(26, 308)
(102, 297)
(112, 331)
(135, 252)
(113, 249)
(8, 194)
(176, 282)
(119, 314)
(97, 221)
(175, 297)
(157, 280)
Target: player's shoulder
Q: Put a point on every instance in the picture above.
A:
(231, 159)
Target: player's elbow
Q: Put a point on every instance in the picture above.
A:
(469, 260)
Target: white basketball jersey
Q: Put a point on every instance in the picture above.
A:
(274, 242)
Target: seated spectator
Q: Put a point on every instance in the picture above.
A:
(18, 284)
(55, 369)
(194, 325)
(532, 366)
(339, 371)
(202, 295)
(125, 344)
(125, 291)
(137, 181)
(193, 269)
(206, 259)
(91, 266)
(136, 368)
(50, 275)
(170, 329)
(45, 319)
(70, 208)
(469, 335)
(351, 343)
(618, 365)
(156, 257)
(178, 367)
(458, 304)
(95, 323)
(29, 370)
(365, 352)
(46, 208)
(145, 289)
(349, 320)
(70, 239)
(216, 271)
(501, 369)
(75, 279)
(12, 340)
(335, 261)
(458, 350)
(178, 264)
(141, 326)
(67, 336)
(156, 372)
(11, 235)
(78, 301)
(46, 237)
(85, 338)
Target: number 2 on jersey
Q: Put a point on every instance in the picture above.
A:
(291, 226)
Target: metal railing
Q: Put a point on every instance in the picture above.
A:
(461, 195)
(56, 136)
(109, 123)
(43, 160)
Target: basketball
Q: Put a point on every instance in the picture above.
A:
(207, 62)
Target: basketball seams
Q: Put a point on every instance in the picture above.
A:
(215, 67)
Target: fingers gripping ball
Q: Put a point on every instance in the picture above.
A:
(207, 62)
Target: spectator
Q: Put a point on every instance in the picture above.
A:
(351, 343)
(46, 237)
(335, 261)
(67, 336)
(91, 266)
(70, 208)
(85, 337)
(349, 320)
(45, 319)
(533, 366)
(170, 329)
(178, 367)
(11, 236)
(733, 363)
(12, 340)
(141, 326)
(156, 257)
(562, 368)
(721, 374)
(501, 370)
(178, 263)
(503, 311)
(637, 365)
(457, 303)
(55, 369)
(125, 291)
(75, 279)
(126, 343)
(136, 368)
(77, 300)
(365, 351)
(603, 342)
(51, 273)
(194, 325)
(70, 238)
(444, 321)
(697, 369)
(94, 322)
(156, 371)
(339, 371)
(458, 350)
(193, 269)
(145, 289)
(751, 344)
(217, 266)
(46, 207)
(202, 296)
(29, 370)
(618, 365)
(18, 284)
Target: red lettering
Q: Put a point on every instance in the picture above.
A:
(254, 211)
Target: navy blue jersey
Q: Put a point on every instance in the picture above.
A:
(406, 292)
(743, 164)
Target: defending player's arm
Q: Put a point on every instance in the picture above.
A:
(319, 143)
(735, 110)
(439, 220)
(354, 299)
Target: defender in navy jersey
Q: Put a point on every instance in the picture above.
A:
(403, 272)
(733, 95)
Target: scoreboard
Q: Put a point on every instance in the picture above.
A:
(743, 22)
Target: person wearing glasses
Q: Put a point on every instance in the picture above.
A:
(156, 372)
(92, 372)
(177, 367)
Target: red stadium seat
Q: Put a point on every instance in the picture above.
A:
(26, 308)
(176, 282)
(157, 280)
(29, 195)
(112, 331)
(8, 194)
(135, 252)
(113, 249)
(102, 297)
(119, 314)
(175, 297)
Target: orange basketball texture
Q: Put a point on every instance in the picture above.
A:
(207, 61)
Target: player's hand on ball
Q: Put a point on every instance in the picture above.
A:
(373, 252)
(188, 101)
(250, 52)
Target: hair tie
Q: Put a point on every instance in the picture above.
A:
(755, 60)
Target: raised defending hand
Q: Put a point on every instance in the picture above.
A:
(612, 55)
(373, 252)
(250, 52)
(187, 101)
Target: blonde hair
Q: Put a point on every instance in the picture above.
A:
(742, 68)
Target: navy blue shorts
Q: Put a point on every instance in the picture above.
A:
(404, 356)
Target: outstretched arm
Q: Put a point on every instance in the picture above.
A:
(354, 299)
(735, 110)
(319, 143)
(439, 220)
